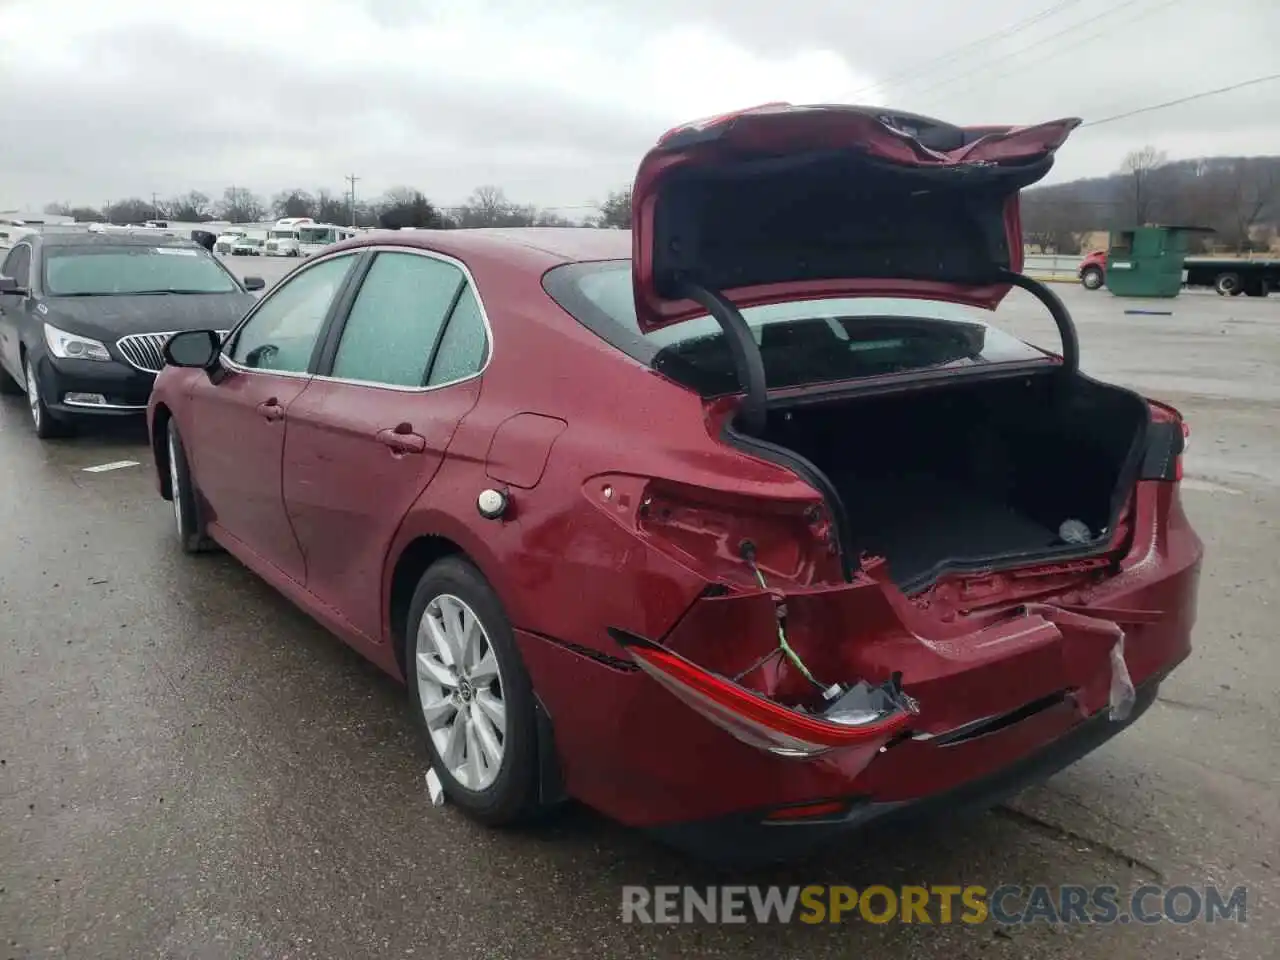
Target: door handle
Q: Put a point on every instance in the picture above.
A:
(271, 409)
(402, 439)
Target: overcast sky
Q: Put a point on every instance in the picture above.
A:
(556, 100)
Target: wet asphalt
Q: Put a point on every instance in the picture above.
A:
(190, 768)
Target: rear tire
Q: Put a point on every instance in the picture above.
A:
(1227, 284)
(470, 693)
(1091, 278)
(188, 519)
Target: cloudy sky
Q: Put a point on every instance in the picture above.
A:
(556, 100)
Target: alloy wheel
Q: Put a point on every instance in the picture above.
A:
(33, 395)
(175, 484)
(460, 689)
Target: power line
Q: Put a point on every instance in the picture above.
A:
(1181, 100)
(1108, 14)
(955, 52)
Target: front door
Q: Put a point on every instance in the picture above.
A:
(368, 435)
(238, 424)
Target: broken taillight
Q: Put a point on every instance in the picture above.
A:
(703, 528)
(1186, 439)
(1167, 440)
(751, 718)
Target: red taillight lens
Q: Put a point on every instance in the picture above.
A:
(750, 717)
(808, 811)
(1186, 440)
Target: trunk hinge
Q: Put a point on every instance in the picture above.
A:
(747, 360)
(1057, 310)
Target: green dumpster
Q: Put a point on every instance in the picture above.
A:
(1148, 261)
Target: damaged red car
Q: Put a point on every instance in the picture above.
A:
(743, 527)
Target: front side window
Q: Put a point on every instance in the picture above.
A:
(107, 271)
(396, 320)
(281, 334)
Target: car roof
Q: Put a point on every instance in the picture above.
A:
(110, 239)
(550, 245)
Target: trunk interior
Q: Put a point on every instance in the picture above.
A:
(971, 475)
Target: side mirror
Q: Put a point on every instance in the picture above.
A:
(254, 283)
(11, 286)
(193, 348)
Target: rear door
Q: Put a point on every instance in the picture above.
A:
(369, 434)
(14, 309)
(238, 421)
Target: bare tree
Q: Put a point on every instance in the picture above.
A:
(240, 205)
(615, 212)
(190, 207)
(1140, 166)
(487, 206)
(58, 209)
(294, 203)
(332, 208)
(549, 218)
(1252, 192)
(133, 210)
(405, 207)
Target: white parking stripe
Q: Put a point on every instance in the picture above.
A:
(114, 465)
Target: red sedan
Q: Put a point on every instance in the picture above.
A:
(743, 526)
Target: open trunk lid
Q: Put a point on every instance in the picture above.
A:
(783, 202)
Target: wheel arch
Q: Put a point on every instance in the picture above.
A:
(160, 449)
(414, 558)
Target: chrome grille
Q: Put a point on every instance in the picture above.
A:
(143, 350)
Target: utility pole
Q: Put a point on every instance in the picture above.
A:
(155, 209)
(351, 178)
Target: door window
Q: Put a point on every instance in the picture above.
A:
(396, 320)
(18, 265)
(464, 345)
(282, 333)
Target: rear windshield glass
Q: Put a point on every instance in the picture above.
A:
(802, 342)
(107, 271)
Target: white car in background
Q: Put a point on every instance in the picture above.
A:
(247, 247)
(227, 240)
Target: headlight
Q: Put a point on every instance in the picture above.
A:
(71, 346)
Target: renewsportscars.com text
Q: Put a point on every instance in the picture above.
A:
(1007, 904)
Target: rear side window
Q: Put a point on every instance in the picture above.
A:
(396, 320)
(802, 342)
(465, 344)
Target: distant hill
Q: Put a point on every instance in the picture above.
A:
(1239, 197)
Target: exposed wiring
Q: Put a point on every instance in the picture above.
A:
(748, 550)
